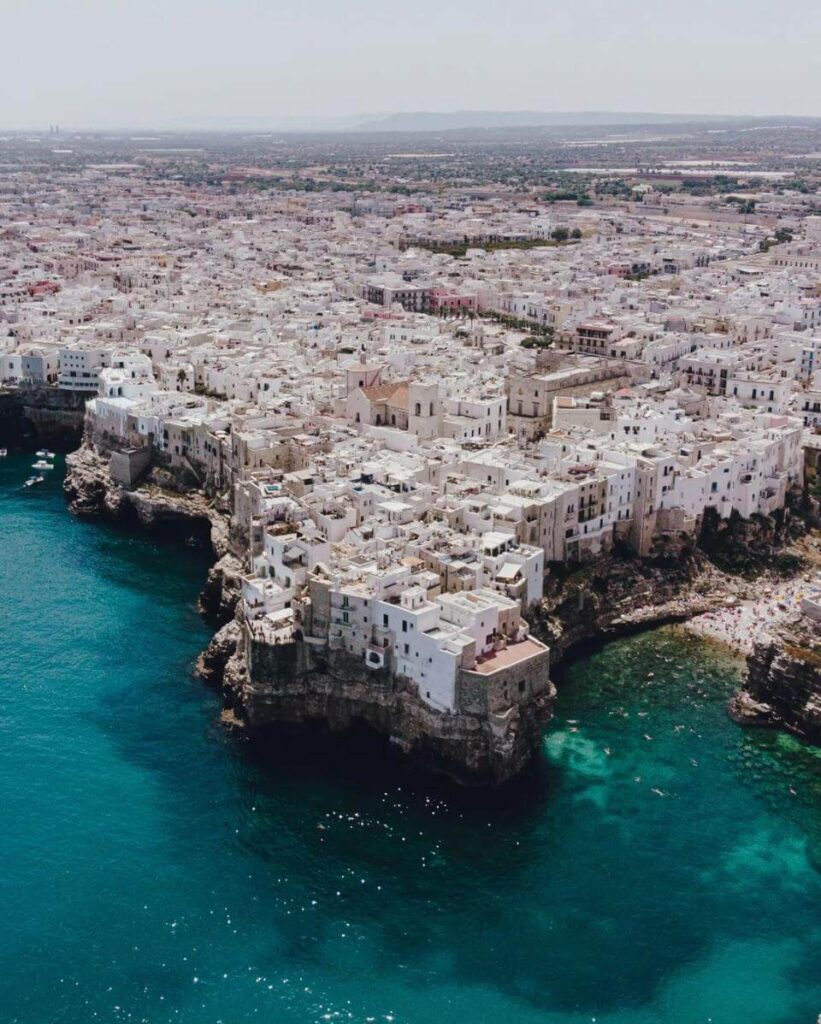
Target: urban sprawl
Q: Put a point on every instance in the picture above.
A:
(415, 399)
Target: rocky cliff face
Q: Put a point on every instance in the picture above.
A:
(296, 683)
(34, 416)
(91, 491)
(222, 590)
(615, 596)
(265, 684)
(783, 682)
(734, 544)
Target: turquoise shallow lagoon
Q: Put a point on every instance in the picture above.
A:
(658, 865)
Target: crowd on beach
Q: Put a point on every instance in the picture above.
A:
(741, 622)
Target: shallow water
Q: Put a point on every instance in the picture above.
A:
(655, 866)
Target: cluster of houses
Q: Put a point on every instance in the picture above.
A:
(409, 438)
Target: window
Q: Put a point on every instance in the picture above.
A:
(404, 625)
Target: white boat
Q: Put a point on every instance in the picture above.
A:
(3, 452)
(43, 453)
(42, 464)
(32, 480)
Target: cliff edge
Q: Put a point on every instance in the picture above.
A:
(92, 491)
(783, 682)
(268, 683)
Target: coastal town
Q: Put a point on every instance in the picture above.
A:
(409, 408)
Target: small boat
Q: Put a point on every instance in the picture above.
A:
(3, 452)
(44, 453)
(32, 480)
(42, 464)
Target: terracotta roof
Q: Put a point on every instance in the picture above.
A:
(395, 394)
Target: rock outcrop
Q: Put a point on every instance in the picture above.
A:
(615, 596)
(735, 543)
(91, 491)
(266, 684)
(213, 662)
(41, 415)
(783, 682)
(222, 590)
(270, 685)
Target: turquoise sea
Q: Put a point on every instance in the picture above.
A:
(658, 865)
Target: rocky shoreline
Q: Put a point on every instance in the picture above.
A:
(268, 685)
(617, 596)
(92, 493)
(35, 415)
(609, 598)
(783, 682)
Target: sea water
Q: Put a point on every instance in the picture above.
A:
(659, 864)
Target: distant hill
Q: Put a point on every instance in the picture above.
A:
(421, 121)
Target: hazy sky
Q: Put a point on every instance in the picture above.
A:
(129, 63)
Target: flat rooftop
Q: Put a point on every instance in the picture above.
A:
(511, 655)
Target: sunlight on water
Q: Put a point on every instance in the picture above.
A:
(659, 865)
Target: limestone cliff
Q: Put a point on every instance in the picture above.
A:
(222, 590)
(212, 664)
(783, 682)
(41, 415)
(269, 684)
(91, 491)
(615, 595)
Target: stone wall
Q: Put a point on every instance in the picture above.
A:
(126, 467)
(479, 693)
